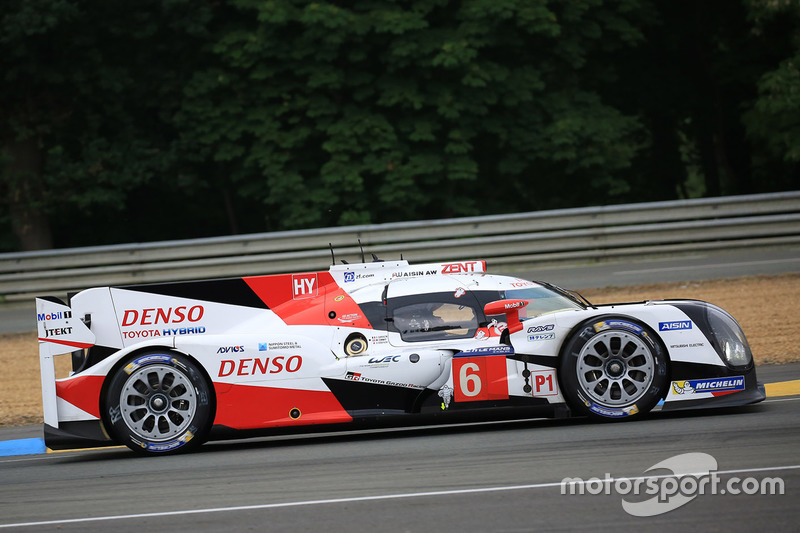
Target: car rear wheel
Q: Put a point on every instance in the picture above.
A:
(613, 368)
(159, 403)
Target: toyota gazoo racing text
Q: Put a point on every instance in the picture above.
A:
(162, 368)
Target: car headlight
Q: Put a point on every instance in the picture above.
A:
(735, 353)
(728, 338)
(721, 329)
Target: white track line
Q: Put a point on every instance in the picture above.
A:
(370, 498)
(780, 400)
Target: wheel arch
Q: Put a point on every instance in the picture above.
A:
(610, 316)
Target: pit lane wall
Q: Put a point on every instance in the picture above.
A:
(531, 239)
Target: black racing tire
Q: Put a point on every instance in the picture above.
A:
(159, 403)
(613, 368)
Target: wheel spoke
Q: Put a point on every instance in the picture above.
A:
(615, 368)
(631, 351)
(158, 402)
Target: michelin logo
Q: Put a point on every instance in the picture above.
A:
(682, 387)
(719, 385)
(690, 386)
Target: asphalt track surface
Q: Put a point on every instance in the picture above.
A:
(473, 477)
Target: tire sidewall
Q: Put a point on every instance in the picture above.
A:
(192, 435)
(581, 403)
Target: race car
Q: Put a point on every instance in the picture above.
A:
(162, 368)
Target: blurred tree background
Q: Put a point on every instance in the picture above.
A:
(142, 120)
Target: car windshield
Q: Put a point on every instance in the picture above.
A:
(541, 300)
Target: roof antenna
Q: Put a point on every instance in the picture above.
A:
(362, 251)
(333, 257)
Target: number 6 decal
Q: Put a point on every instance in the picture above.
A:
(470, 384)
(480, 378)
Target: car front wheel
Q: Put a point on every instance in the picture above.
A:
(613, 368)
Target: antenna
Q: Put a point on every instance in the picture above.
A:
(333, 257)
(362, 251)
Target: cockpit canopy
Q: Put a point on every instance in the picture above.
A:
(450, 307)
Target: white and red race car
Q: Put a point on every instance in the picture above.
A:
(162, 368)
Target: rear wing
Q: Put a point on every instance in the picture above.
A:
(59, 333)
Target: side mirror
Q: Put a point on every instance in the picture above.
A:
(510, 308)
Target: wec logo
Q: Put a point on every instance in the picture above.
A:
(387, 359)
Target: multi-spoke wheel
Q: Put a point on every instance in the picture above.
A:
(159, 403)
(613, 367)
